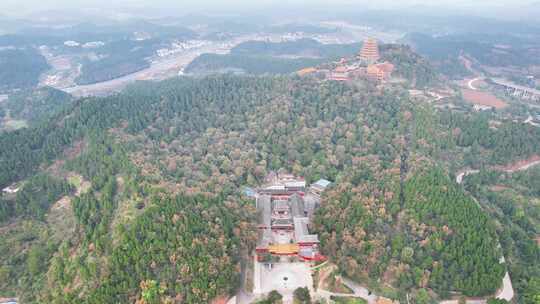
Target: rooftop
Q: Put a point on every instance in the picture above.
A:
(297, 205)
(263, 206)
(301, 232)
(284, 249)
(323, 183)
(340, 69)
(370, 50)
(280, 205)
(295, 184)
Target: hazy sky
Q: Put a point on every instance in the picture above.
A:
(21, 7)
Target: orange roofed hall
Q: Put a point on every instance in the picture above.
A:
(380, 72)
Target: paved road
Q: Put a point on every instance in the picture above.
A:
(507, 291)
(472, 81)
(360, 291)
(530, 121)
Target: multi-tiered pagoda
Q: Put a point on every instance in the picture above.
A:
(370, 51)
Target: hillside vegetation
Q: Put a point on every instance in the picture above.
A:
(35, 105)
(259, 57)
(20, 68)
(163, 218)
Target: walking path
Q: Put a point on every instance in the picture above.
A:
(257, 289)
(360, 291)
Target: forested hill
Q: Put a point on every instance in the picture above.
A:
(20, 68)
(261, 57)
(146, 184)
(298, 48)
(34, 105)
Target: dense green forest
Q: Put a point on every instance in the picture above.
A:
(27, 242)
(259, 57)
(509, 142)
(191, 246)
(35, 105)
(409, 65)
(34, 198)
(441, 239)
(491, 50)
(20, 68)
(164, 162)
(255, 65)
(299, 48)
(467, 236)
(512, 199)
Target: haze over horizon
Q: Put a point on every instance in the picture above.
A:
(485, 8)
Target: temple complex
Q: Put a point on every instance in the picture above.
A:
(370, 51)
(364, 66)
(285, 208)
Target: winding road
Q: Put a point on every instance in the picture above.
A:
(507, 291)
(472, 81)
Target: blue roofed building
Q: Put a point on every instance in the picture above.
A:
(319, 186)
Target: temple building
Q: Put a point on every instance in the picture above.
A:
(319, 186)
(380, 72)
(340, 74)
(370, 51)
(306, 71)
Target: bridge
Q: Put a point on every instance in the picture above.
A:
(515, 90)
